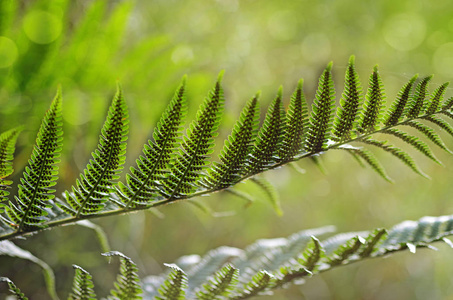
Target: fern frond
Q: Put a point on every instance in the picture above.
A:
(7, 146)
(322, 113)
(220, 285)
(344, 251)
(397, 152)
(197, 144)
(436, 99)
(269, 139)
(296, 125)
(236, 149)
(14, 289)
(418, 104)
(29, 212)
(370, 159)
(413, 141)
(259, 283)
(94, 186)
(428, 132)
(153, 164)
(174, 285)
(127, 285)
(441, 123)
(82, 287)
(370, 116)
(270, 191)
(398, 109)
(350, 100)
(447, 104)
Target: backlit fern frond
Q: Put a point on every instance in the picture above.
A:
(35, 189)
(127, 285)
(196, 146)
(236, 149)
(96, 182)
(413, 141)
(220, 285)
(398, 109)
(418, 103)
(428, 132)
(269, 138)
(153, 165)
(370, 159)
(82, 287)
(322, 113)
(441, 123)
(14, 289)
(370, 116)
(296, 125)
(174, 286)
(7, 145)
(259, 282)
(436, 99)
(350, 100)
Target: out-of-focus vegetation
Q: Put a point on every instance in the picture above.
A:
(87, 45)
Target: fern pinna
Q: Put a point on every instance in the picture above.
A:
(172, 168)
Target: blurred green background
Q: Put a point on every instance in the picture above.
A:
(88, 45)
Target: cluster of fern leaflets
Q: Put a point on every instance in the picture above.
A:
(266, 265)
(177, 166)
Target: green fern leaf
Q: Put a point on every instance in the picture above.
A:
(413, 141)
(7, 146)
(371, 243)
(197, 144)
(220, 285)
(35, 192)
(82, 287)
(397, 152)
(448, 104)
(157, 154)
(373, 106)
(350, 100)
(269, 139)
(342, 253)
(417, 104)
(441, 123)
(259, 283)
(94, 186)
(14, 289)
(398, 109)
(436, 99)
(236, 149)
(270, 191)
(322, 113)
(174, 285)
(428, 132)
(127, 285)
(296, 124)
(370, 159)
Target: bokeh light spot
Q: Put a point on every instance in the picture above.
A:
(404, 31)
(316, 47)
(443, 59)
(8, 52)
(182, 55)
(42, 27)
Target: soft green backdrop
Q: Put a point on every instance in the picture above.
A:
(88, 45)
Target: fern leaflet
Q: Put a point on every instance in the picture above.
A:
(417, 104)
(7, 145)
(436, 99)
(398, 109)
(82, 287)
(373, 105)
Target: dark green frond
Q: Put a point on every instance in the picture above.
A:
(398, 109)
(259, 282)
(413, 141)
(370, 159)
(153, 165)
(174, 286)
(196, 146)
(370, 116)
(418, 104)
(350, 100)
(7, 146)
(270, 137)
(441, 123)
(322, 113)
(270, 191)
(436, 99)
(397, 152)
(96, 182)
(296, 125)
(35, 189)
(127, 285)
(219, 285)
(447, 104)
(429, 133)
(14, 289)
(82, 287)
(344, 251)
(236, 149)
